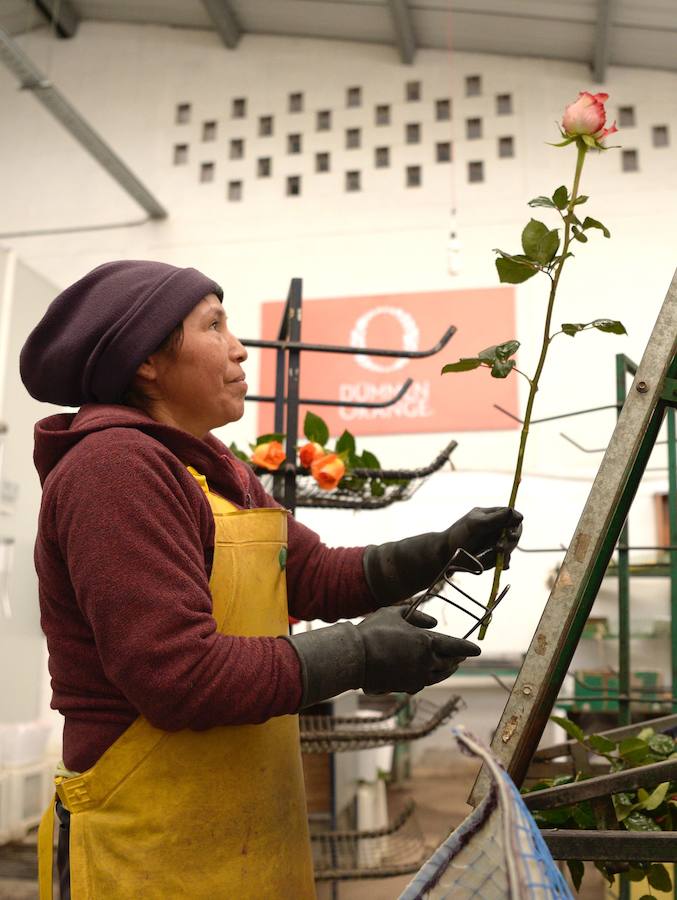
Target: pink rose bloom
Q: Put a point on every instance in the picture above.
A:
(587, 116)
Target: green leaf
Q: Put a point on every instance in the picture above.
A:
(555, 817)
(579, 236)
(593, 223)
(636, 873)
(561, 197)
(637, 821)
(570, 727)
(659, 877)
(463, 365)
(572, 328)
(656, 797)
(662, 744)
(576, 870)
(508, 348)
(488, 355)
(345, 444)
(645, 734)
(267, 438)
(502, 368)
(599, 742)
(582, 198)
(584, 815)
(315, 429)
(603, 869)
(240, 454)
(633, 750)
(512, 272)
(623, 805)
(377, 487)
(369, 461)
(542, 201)
(532, 234)
(588, 140)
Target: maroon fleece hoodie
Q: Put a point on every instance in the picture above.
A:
(123, 556)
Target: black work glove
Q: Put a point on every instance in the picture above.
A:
(400, 569)
(383, 653)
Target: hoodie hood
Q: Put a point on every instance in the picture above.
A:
(56, 435)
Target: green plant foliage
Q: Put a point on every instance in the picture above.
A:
(611, 326)
(315, 429)
(561, 197)
(539, 243)
(267, 438)
(593, 223)
(640, 810)
(662, 744)
(463, 365)
(542, 201)
(576, 870)
(570, 727)
(659, 877)
(345, 444)
(511, 271)
(240, 454)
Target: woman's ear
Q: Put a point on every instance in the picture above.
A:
(148, 370)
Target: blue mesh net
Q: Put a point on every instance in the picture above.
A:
(496, 853)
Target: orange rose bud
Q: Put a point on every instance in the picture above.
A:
(310, 452)
(269, 455)
(328, 471)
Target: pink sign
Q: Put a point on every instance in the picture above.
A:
(435, 402)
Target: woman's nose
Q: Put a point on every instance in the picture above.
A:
(239, 351)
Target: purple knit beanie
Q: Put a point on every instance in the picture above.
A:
(95, 334)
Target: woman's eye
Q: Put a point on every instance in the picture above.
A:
(215, 322)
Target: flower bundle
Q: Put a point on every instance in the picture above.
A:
(330, 468)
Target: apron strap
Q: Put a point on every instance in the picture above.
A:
(46, 853)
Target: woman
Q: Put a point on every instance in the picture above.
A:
(164, 573)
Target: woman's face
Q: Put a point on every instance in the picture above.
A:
(203, 387)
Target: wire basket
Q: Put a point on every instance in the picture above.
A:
(369, 488)
(397, 849)
(407, 721)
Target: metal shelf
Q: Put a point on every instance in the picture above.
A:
(397, 849)
(329, 734)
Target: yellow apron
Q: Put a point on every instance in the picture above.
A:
(212, 814)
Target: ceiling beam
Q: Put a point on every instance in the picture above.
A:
(404, 30)
(32, 79)
(61, 15)
(223, 17)
(602, 35)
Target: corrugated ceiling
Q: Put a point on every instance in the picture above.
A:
(640, 32)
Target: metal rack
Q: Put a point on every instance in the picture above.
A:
(288, 348)
(328, 734)
(623, 569)
(397, 849)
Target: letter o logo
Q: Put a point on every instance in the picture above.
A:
(410, 338)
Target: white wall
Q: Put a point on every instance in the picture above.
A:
(127, 81)
(24, 295)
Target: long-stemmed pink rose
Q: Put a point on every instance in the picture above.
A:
(583, 124)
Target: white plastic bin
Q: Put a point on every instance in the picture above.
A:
(29, 790)
(23, 743)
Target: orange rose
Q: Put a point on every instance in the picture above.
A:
(310, 452)
(269, 455)
(328, 471)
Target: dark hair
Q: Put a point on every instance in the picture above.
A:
(134, 395)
